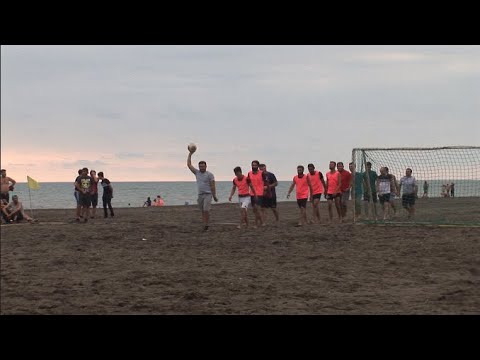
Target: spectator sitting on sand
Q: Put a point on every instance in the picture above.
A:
(15, 211)
(159, 201)
(4, 205)
(148, 202)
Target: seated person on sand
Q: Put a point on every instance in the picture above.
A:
(159, 201)
(4, 205)
(16, 212)
(148, 202)
(444, 190)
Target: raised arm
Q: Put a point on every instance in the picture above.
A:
(189, 163)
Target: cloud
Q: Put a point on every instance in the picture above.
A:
(126, 155)
(83, 163)
(137, 107)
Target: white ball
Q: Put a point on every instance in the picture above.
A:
(192, 147)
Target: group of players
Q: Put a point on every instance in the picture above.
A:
(86, 194)
(257, 188)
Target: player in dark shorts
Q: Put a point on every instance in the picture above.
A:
(369, 188)
(84, 186)
(94, 192)
(107, 195)
(334, 193)
(269, 193)
(301, 184)
(317, 185)
(256, 178)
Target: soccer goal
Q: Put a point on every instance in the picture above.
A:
(447, 181)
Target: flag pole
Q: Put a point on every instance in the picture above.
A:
(30, 196)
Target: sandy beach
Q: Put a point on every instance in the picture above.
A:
(158, 261)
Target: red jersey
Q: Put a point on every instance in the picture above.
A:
(346, 178)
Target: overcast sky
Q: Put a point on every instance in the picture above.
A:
(130, 111)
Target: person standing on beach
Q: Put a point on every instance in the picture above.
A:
(452, 190)
(8, 184)
(334, 192)
(369, 190)
(269, 193)
(84, 186)
(425, 189)
(384, 187)
(302, 185)
(107, 195)
(394, 192)
(256, 177)
(317, 188)
(410, 191)
(346, 178)
(206, 187)
(76, 194)
(244, 185)
(357, 182)
(94, 193)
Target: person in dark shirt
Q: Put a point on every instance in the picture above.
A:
(83, 184)
(107, 195)
(269, 193)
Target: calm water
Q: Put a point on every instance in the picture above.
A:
(134, 194)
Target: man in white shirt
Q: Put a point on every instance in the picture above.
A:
(410, 192)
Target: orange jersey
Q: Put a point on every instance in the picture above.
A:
(317, 185)
(242, 185)
(301, 186)
(332, 182)
(257, 182)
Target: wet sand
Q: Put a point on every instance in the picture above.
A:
(158, 261)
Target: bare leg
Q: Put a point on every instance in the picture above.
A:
(339, 210)
(276, 214)
(206, 219)
(330, 210)
(303, 218)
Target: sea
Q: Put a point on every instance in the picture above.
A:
(59, 195)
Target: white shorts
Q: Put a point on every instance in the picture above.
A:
(204, 202)
(244, 202)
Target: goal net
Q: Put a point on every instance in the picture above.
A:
(447, 185)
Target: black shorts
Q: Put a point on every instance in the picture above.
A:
(269, 202)
(317, 196)
(332, 196)
(94, 198)
(384, 198)
(302, 203)
(5, 196)
(258, 201)
(85, 199)
(366, 197)
(408, 200)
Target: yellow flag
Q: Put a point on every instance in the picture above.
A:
(33, 184)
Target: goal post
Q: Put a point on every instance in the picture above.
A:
(447, 180)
